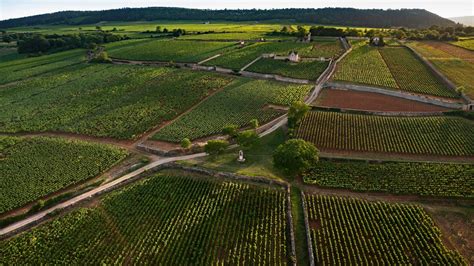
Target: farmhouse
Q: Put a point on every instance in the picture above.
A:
(293, 56)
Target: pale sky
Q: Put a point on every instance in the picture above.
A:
(21, 8)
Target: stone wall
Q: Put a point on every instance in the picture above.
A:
(272, 76)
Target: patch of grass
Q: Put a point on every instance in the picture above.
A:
(299, 226)
(259, 160)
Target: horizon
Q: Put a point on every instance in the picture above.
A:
(10, 9)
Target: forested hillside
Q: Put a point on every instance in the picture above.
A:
(412, 18)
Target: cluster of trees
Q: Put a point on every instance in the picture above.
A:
(174, 32)
(432, 33)
(377, 18)
(40, 43)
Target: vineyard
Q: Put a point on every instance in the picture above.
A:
(33, 168)
(165, 220)
(429, 179)
(436, 135)
(468, 44)
(302, 70)
(113, 101)
(29, 67)
(238, 58)
(239, 103)
(165, 50)
(365, 65)
(347, 231)
(323, 48)
(412, 75)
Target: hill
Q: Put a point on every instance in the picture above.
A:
(466, 20)
(411, 18)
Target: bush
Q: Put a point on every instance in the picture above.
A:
(103, 57)
(230, 130)
(247, 138)
(214, 147)
(254, 123)
(295, 156)
(186, 143)
(296, 112)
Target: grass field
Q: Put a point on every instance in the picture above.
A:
(302, 70)
(33, 66)
(103, 100)
(238, 58)
(168, 50)
(428, 179)
(365, 65)
(347, 231)
(239, 103)
(165, 220)
(436, 135)
(10, 54)
(35, 167)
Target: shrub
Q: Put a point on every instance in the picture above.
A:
(295, 156)
(296, 112)
(103, 57)
(254, 123)
(230, 130)
(186, 143)
(214, 147)
(247, 138)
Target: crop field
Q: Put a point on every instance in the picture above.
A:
(29, 67)
(323, 48)
(468, 44)
(116, 101)
(166, 50)
(452, 50)
(412, 75)
(301, 70)
(238, 58)
(35, 167)
(369, 101)
(9, 54)
(165, 220)
(435, 135)
(458, 69)
(365, 65)
(235, 36)
(237, 104)
(428, 179)
(349, 231)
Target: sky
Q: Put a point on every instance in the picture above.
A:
(21, 8)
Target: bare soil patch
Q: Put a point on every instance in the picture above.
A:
(368, 101)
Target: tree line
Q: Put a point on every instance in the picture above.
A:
(378, 18)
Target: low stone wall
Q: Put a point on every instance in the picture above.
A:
(399, 94)
(275, 77)
(308, 232)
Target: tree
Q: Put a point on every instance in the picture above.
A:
(295, 156)
(301, 31)
(158, 29)
(214, 147)
(254, 123)
(230, 130)
(103, 57)
(98, 28)
(186, 143)
(296, 112)
(247, 138)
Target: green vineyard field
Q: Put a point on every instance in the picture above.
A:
(165, 220)
(301, 70)
(323, 48)
(166, 50)
(428, 179)
(33, 168)
(347, 231)
(436, 135)
(113, 101)
(238, 58)
(239, 103)
(412, 75)
(365, 65)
